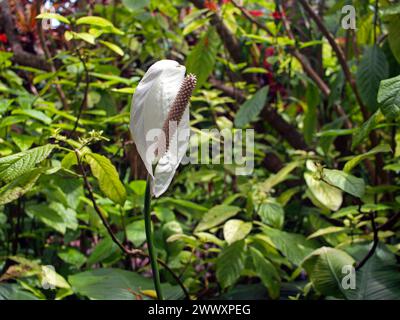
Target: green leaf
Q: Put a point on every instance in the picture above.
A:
(230, 263)
(235, 230)
(325, 231)
(94, 21)
(295, 247)
(136, 233)
(48, 15)
(372, 70)
(279, 177)
(117, 284)
(201, 59)
(17, 164)
(35, 114)
(250, 110)
(345, 181)
(85, 37)
(310, 118)
(362, 132)
(48, 216)
(272, 213)
(378, 279)
(113, 47)
(73, 256)
(389, 97)
(324, 268)
(104, 249)
(24, 142)
(19, 186)
(330, 197)
(267, 273)
(394, 34)
(216, 216)
(107, 176)
(194, 25)
(357, 159)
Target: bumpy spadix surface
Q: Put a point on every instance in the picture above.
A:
(151, 103)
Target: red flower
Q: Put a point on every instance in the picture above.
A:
(256, 13)
(3, 38)
(277, 15)
(225, 1)
(210, 5)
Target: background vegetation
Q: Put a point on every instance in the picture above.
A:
(325, 104)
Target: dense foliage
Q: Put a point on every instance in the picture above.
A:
(325, 105)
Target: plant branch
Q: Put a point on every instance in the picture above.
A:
(83, 104)
(126, 251)
(374, 245)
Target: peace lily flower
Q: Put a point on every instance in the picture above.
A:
(160, 120)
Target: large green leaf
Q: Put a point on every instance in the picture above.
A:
(330, 197)
(108, 178)
(230, 263)
(378, 279)
(13, 291)
(389, 97)
(17, 164)
(267, 272)
(250, 110)
(345, 181)
(116, 284)
(324, 267)
(201, 59)
(372, 69)
(357, 159)
(215, 216)
(19, 186)
(271, 213)
(235, 230)
(310, 115)
(48, 216)
(362, 132)
(295, 247)
(394, 35)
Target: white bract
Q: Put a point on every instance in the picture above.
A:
(151, 103)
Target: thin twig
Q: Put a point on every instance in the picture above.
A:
(85, 94)
(339, 54)
(374, 245)
(129, 252)
(48, 56)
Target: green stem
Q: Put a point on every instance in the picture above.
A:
(149, 237)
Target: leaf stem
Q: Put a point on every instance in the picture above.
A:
(149, 237)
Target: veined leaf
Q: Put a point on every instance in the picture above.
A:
(325, 231)
(271, 213)
(230, 263)
(235, 230)
(372, 69)
(267, 273)
(330, 197)
(345, 181)
(94, 21)
(17, 164)
(216, 216)
(19, 186)
(357, 159)
(201, 59)
(49, 15)
(324, 267)
(363, 131)
(389, 97)
(250, 110)
(113, 47)
(107, 176)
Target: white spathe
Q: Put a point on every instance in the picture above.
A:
(151, 103)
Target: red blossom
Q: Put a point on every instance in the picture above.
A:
(256, 13)
(225, 1)
(3, 38)
(210, 5)
(277, 15)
